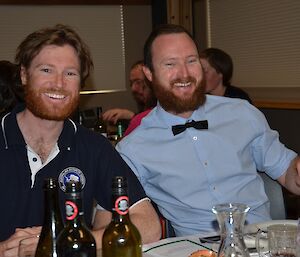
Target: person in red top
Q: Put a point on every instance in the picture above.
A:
(136, 121)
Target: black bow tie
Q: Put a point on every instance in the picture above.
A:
(202, 124)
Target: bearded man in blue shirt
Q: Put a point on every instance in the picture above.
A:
(186, 166)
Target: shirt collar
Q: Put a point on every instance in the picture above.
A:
(13, 136)
(170, 119)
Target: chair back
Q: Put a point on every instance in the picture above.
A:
(274, 192)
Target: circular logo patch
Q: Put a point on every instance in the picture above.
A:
(121, 205)
(71, 174)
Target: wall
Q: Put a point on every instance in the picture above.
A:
(137, 24)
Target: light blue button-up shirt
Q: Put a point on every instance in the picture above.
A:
(187, 174)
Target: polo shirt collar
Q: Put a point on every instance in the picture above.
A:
(13, 136)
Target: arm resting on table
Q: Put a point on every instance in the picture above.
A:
(142, 215)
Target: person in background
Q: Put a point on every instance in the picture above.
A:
(193, 150)
(141, 92)
(10, 87)
(38, 141)
(218, 69)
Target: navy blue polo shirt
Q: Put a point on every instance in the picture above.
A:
(83, 155)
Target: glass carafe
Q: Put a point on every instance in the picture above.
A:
(231, 219)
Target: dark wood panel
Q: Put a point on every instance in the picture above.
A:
(276, 104)
(75, 2)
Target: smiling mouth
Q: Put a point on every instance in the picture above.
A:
(180, 84)
(55, 96)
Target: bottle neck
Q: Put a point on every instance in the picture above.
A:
(74, 210)
(52, 210)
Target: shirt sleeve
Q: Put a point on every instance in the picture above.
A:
(111, 164)
(269, 153)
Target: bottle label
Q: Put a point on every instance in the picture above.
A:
(71, 210)
(121, 205)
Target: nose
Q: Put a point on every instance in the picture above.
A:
(59, 81)
(183, 71)
(136, 87)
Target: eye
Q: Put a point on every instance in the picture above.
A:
(169, 64)
(193, 60)
(46, 70)
(72, 73)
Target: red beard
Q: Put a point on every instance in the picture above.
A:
(44, 111)
(170, 102)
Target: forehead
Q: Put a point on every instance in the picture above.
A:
(137, 72)
(204, 62)
(173, 46)
(59, 55)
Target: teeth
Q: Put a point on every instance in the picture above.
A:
(55, 96)
(182, 84)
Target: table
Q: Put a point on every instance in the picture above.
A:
(184, 246)
(174, 246)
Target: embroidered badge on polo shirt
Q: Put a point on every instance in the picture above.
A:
(71, 174)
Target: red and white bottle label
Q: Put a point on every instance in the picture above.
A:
(71, 210)
(121, 205)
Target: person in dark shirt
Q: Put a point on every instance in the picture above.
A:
(218, 70)
(38, 141)
(10, 86)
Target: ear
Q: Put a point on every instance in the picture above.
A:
(148, 73)
(23, 75)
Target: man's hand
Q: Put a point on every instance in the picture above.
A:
(9, 247)
(291, 178)
(113, 115)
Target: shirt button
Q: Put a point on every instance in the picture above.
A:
(214, 188)
(205, 163)
(34, 159)
(195, 138)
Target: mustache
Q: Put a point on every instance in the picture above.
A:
(184, 80)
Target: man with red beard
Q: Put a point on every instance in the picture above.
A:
(38, 141)
(194, 151)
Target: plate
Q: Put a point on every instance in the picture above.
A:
(174, 248)
(253, 228)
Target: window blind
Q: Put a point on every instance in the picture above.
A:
(100, 26)
(262, 37)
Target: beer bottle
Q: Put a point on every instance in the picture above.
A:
(53, 223)
(121, 238)
(100, 125)
(75, 240)
(119, 131)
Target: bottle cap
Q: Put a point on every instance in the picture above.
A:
(119, 181)
(50, 183)
(73, 187)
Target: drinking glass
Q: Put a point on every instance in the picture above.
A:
(278, 241)
(27, 246)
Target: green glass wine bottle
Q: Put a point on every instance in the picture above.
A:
(53, 223)
(121, 238)
(75, 240)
